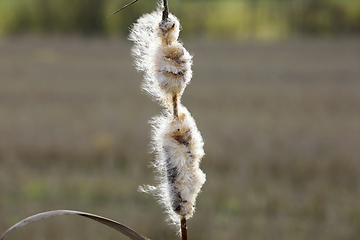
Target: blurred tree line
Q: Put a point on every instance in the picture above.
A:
(264, 19)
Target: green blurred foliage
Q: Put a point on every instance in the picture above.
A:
(324, 17)
(215, 18)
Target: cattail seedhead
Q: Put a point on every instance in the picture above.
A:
(163, 59)
(179, 148)
(177, 143)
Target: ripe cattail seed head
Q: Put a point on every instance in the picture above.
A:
(176, 141)
(163, 59)
(179, 148)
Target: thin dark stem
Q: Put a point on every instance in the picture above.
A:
(123, 8)
(165, 11)
(175, 105)
(183, 229)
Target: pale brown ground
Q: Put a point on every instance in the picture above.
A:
(281, 123)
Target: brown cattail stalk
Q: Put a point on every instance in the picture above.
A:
(183, 229)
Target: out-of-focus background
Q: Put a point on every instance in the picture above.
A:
(238, 19)
(275, 93)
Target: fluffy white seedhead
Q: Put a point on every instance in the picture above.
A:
(177, 143)
(179, 149)
(163, 59)
(168, 31)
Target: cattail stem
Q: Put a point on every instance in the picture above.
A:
(175, 106)
(165, 11)
(183, 229)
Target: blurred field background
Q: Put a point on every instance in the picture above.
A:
(275, 94)
(264, 19)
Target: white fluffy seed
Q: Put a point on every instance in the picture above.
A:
(179, 148)
(176, 141)
(163, 59)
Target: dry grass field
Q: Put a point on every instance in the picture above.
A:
(281, 124)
